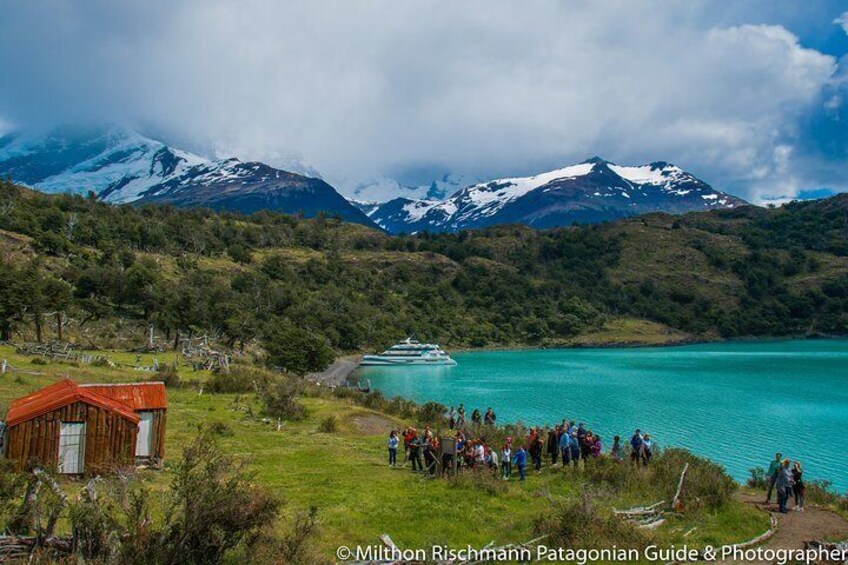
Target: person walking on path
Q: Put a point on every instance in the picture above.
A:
(798, 487)
(783, 484)
(393, 442)
(490, 417)
(520, 461)
(452, 418)
(773, 470)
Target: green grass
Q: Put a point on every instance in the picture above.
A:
(346, 475)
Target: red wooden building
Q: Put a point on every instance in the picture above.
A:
(150, 403)
(71, 427)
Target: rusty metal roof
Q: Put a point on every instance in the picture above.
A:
(138, 396)
(61, 394)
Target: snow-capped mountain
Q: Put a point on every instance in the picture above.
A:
(593, 191)
(119, 165)
(382, 189)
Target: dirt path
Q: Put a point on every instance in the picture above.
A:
(337, 373)
(794, 528)
(372, 425)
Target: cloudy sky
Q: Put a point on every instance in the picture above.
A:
(750, 95)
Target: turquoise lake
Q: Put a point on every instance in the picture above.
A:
(737, 402)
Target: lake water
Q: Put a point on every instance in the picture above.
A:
(737, 403)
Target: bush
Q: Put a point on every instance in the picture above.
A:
(328, 425)
(169, 375)
(214, 504)
(279, 400)
(707, 484)
(221, 429)
(39, 361)
(239, 379)
(432, 413)
(584, 524)
(480, 478)
(758, 478)
(294, 547)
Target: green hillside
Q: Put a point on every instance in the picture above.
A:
(306, 290)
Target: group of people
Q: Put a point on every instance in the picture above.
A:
(787, 481)
(567, 442)
(456, 418)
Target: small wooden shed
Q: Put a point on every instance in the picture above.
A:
(71, 427)
(149, 401)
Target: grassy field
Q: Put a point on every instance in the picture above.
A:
(346, 476)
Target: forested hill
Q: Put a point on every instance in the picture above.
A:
(304, 290)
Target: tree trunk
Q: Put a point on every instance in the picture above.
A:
(38, 328)
(150, 336)
(176, 340)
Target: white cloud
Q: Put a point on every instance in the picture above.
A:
(842, 21)
(484, 87)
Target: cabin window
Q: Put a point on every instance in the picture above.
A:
(72, 448)
(145, 435)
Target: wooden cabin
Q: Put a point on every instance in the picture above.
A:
(150, 403)
(73, 428)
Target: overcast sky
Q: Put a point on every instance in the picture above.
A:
(749, 95)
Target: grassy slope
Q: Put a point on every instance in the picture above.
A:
(344, 474)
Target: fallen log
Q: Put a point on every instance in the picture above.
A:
(676, 503)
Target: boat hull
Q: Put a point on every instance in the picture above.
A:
(375, 360)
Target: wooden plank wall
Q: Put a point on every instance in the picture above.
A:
(109, 438)
(157, 448)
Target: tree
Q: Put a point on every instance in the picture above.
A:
(12, 303)
(296, 349)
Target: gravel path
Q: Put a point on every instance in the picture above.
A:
(336, 374)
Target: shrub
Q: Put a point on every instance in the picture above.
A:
(294, 547)
(169, 375)
(481, 479)
(584, 524)
(328, 425)
(239, 379)
(39, 361)
(432, 413)
(758, 478)
(221, 429)
(707, 483)
(214, 504)
(279, 400)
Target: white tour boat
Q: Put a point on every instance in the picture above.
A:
(410, 352)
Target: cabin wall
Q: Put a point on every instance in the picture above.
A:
(157, 447)
(109, 438)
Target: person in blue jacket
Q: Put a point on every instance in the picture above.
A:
(636, 447)
(575, 448)
(520, 461)
(565, 448)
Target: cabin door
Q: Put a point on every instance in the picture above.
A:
(72, 448)
(145, 435)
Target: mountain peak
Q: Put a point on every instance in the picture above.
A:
(121, 166)
(595, 190)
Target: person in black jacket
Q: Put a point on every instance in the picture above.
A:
(798, 487)
(553, 446)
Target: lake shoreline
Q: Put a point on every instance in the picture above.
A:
(688, 391)
(643, 345)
